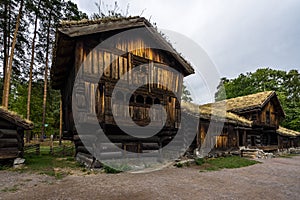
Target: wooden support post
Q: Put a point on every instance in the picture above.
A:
(60, 121)
(51, 144)
(245, 138)
(37, 149)
(237, 138)
(160, 156)
(278, 142)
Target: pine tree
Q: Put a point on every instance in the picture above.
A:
(36, 11)
(8, 70)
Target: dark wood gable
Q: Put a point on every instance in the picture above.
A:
(69, 34)
(263, 108)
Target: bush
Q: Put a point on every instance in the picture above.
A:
(199, 161)
(179, 165)
(110, 170)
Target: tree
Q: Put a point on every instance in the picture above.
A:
(186, 95)
(46, 73)
(71, 12)
(32, 49)
(286, 85)
(54, 10)
(8, 70)
(4, 27)
(36, 11)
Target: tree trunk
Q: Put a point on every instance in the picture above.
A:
(6, 87)
(46, 77)
(30, 70)
(5, 39)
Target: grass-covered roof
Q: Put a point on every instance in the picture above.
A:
(15, 119)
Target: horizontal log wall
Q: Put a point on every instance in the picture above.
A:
(11, 143)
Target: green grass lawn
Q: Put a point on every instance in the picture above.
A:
(212, 164)
(50, 165)
(58, 164)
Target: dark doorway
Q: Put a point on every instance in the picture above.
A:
(241, 137)
(253, 140)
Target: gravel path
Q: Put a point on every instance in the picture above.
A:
(277, 178)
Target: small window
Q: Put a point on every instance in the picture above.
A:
(170, 99)
(149, 101)
(253, 117)
(140, 99)
(156, 101)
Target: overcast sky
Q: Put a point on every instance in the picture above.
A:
(238, 35)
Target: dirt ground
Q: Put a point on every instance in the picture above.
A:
(277, 178)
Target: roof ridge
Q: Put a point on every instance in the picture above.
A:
(66, 23)
(208, 110)
(271, 91)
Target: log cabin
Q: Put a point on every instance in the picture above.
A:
(288, 138)
(77, 51)
(265, 111)
(12, 128)
(217, 129)
(249, 121)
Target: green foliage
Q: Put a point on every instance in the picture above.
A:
(230, 162)
(46, 11)
(18, 101)
(179, 165)
(110, 170)
(50, 165)
(4, 166)
(72, 12)
(186, 95)
(114, 169)
(286, 85)
(199, 161)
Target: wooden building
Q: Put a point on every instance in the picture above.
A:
(265, 111)
(288, 138)
(77, 50)
(248, 121)
(217, 129)
(12, 128)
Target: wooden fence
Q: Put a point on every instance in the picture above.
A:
(63, 150)
(32, 148)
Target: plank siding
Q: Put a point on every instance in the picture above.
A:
(109, 64)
